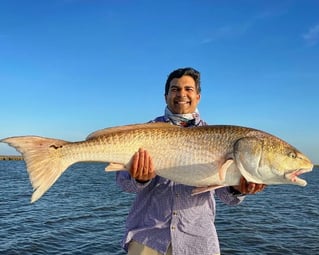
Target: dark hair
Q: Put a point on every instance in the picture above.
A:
(178, 73)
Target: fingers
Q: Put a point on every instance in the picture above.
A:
(134, 166)
(243, 186)
(142, 167)
(144, 158)
(255, 187)
(250, 187)
(259, 187)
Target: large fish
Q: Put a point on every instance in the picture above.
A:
(206, 157)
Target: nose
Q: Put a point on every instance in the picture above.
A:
(181, 92)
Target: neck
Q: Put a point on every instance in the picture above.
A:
(186, 119)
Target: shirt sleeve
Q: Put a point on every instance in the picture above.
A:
(225, 195)
(129, 184)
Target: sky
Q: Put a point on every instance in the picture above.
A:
(70, 67)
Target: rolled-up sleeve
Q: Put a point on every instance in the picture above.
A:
(129, 184)
(225, 195)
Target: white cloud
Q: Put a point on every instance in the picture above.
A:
(312, 36)
(227, 32)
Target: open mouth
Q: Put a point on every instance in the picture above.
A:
(181, 102)
(293, 176)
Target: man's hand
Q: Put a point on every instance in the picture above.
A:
(246, 188)
(142, 168)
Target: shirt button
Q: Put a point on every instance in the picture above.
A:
(173, 228)
(174, 213)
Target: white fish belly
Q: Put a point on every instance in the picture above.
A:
(199, 175)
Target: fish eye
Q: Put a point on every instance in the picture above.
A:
(292, 155)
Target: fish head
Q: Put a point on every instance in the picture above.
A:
(286, 162)
(270, 160)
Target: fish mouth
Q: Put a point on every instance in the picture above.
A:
(293, 176)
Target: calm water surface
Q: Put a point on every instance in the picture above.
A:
(84, 213)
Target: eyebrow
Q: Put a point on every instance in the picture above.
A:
(186, 86)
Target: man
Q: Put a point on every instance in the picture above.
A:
(165, 218)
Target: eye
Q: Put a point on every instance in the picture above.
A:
(292, 155)
(189, 89)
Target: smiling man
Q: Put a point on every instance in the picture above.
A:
(182, 95)
(165, 217)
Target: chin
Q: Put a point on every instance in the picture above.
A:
(181, 110)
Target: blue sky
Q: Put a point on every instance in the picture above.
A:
(70, 67)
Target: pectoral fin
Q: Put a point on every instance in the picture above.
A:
(199, 190)
(223, 169)
(115, 167)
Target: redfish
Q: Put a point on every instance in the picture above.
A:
(205, 157)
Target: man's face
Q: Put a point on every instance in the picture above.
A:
(182, 95)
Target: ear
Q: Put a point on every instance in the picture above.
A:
(198, 97)
(165, 96)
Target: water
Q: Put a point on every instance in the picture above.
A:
(84, 213)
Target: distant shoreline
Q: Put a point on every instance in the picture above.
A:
(10, 157)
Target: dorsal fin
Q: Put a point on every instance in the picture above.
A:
(106, 131)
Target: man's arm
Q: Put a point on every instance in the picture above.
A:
(248, 188)
(234, 195)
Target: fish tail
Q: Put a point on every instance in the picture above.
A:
(43, 158)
